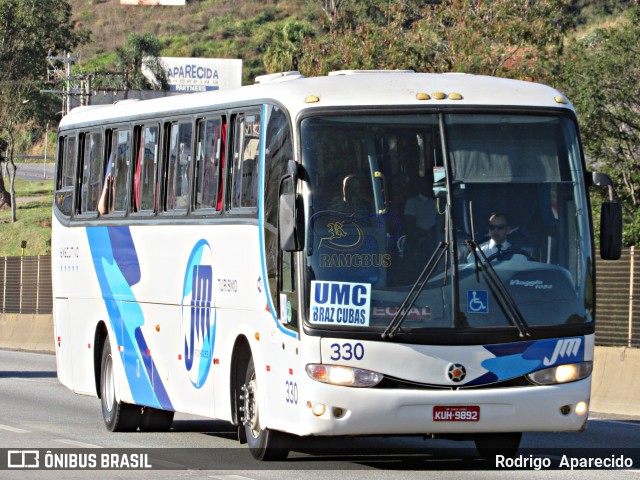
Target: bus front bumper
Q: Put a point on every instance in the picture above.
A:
(333, 410)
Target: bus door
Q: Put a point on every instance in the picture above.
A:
(280, 271)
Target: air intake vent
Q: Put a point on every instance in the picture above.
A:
(279, 77)
(360, 72)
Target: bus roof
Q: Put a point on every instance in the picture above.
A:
(339, 89)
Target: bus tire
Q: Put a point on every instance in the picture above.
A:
(491, 444)
(264, 444)
(117, 416)
(155, 420)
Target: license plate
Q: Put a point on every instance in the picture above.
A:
(462, 413)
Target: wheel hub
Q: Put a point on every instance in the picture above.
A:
(249, 407)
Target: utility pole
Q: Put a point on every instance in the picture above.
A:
(65, 75)
(46, 145)
(85, 89)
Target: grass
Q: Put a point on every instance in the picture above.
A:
(33, 223)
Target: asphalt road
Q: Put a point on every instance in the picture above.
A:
(35, 172)
(37, 413)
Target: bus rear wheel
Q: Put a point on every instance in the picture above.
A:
(264, 444)
(118, 416)
(491, 444)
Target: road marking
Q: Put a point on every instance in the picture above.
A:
(623, 422)
(230, 477)
(13, 429)
(77, 444)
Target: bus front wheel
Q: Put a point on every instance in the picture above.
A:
(118, 416)
(264, 444)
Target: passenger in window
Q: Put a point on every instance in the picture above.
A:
(105, 204)
(356, 197)
(420, 215)
(399, 184)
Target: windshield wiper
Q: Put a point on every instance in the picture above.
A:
(505, 301)
(411, 298)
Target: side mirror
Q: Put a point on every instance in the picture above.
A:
(602, 180)
(610, 218)
(611, 231)
(289, 223)
(439, 182)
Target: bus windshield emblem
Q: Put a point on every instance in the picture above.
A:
(344, 236)
(456, 372)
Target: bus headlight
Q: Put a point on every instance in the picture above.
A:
(345, 376)
(570, 372)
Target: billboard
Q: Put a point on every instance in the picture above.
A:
(186, 74)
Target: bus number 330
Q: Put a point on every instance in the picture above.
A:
(347, 351)
(292, 392)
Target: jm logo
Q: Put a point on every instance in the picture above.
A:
(202, 281)
(568, 347)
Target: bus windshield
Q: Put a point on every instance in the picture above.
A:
(502, 193)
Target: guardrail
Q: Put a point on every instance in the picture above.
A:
(618, 300)
(25, 285)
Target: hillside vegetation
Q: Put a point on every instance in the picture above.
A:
(206, 29)
(245, 28)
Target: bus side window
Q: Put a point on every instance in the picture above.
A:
(91, 163)
(177, 167)
(244, 177)
(209, 162)
(114, 186)
(65, 178)
(146, 167)
(117, 172)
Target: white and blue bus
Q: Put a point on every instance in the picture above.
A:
(306, 257)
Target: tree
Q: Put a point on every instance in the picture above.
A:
(285, 47)
(12, 112)
(5, 196)
(331, 9)
(29, 30)
(512, 38)
(141, 50)
(600, 75)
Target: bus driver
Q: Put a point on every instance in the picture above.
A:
(498, 246)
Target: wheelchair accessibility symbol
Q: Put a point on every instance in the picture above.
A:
(477, 301)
